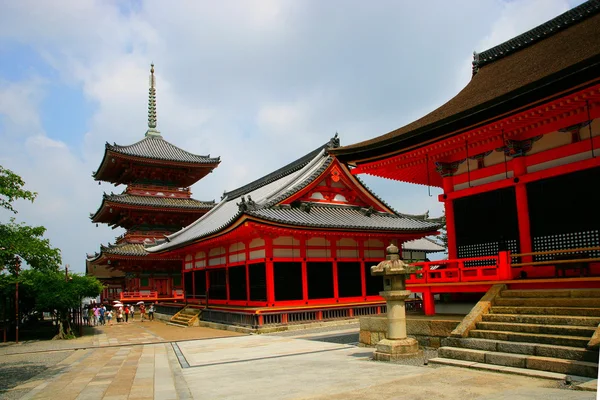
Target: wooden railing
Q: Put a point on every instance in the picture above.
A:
(491, 268)
(557, 252)
(138, 295)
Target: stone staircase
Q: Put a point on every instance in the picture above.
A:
(188, 316)
(544, 330)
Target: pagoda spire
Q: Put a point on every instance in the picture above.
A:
(152, 131)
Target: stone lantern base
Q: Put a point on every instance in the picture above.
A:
(397, 349)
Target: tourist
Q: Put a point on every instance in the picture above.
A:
(96, 315)
(120, 314)
(102, 312)
(142, 312)
(127, 314)
(91, 316)
(131, 311)
(109, 316)
(86, 316)
(151, 312)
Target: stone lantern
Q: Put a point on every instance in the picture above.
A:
(396, 345)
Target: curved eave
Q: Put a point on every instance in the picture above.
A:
(99, 216)
(102, 171)
(561, 63)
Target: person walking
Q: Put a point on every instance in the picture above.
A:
(131, 311)
(126, 314)
(151, 312)
(102, 311)
(109, 315)
(96, 315)
(142, 312)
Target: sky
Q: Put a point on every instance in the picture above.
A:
(258, 83)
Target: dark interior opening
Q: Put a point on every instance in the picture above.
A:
(349, 282)
(258, 282)
(218, 284)
(199, 282)
(188, 285)
(486, 223)
(237, 283)
(319, 276)
(288, 280)
(563, 213)
(374, 283)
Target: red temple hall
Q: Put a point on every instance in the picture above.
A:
(156, 202)
(517, 154)
(303, 235)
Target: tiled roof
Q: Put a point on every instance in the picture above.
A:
(538, 33)
(125, 249)
(557, 60)
(424, 244)
(342, 217)
(162, 202)
(157, 148)
(264, 195)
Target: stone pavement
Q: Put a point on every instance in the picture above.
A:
(157, 361)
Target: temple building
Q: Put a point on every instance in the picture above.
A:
(303, 236)
(156, 202)
(516, 153)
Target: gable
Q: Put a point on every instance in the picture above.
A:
(336, 185)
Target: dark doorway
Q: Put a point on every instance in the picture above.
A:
(218, 284)
(258, 282)
(374, 283)
(349, 282)
(487, 223)
(288, 280)
(200, 282)
(189, 285)
(563, 213)
(237, 283)
(320, 280)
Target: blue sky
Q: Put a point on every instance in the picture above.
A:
(258, 83)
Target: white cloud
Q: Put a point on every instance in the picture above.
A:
(258, 83)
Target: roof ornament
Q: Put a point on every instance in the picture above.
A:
(305, 207)
(367, 212)
(249, 205)
(334, 142)
(152, 131)
(475, 63)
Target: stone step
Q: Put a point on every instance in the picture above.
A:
(550, 293)
(572, 311)
(572, 341)
(562, 330)
(507, 370)
(547, 302)
(549, 364)
(533, 349)
(177, 325)
(542, 319)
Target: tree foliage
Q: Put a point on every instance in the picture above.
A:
(20, 242)
(11, 189)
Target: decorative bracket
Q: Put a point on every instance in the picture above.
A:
(574, 130)
(447, 169)
(518, 148)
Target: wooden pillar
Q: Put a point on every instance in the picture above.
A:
(520, 169)
(269, 271)
(449, 212)
(428, 302)
(193, 273)
(304, 282)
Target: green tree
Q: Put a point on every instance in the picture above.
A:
(55, 291)
(11, 189)
(20, 242)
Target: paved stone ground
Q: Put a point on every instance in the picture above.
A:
(157, 361)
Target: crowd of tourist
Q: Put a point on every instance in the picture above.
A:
(101, 314)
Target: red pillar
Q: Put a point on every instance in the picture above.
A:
(270, 283)
(336, 289)
(520, 169)
(428, 302)
(449, 212)
(304, 282)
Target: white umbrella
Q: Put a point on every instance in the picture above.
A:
(117, 305)
(140, 302)
(116, 301)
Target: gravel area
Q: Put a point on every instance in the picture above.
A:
(17, 369)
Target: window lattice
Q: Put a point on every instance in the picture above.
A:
(564, 241)
(484, 249)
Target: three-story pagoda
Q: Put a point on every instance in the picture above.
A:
(156, 202)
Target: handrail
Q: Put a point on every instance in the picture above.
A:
(541, 253)
(553, 262)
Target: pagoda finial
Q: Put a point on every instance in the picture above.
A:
(152, 131)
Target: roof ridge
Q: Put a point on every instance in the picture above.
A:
(158, 197)
(277, 174)
(540, 32)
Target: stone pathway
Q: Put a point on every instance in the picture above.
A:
(157, 361)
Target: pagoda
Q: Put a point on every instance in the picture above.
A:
(156, 202)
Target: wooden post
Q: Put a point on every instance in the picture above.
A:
(520, 169)
(428, 302)
(449, 213)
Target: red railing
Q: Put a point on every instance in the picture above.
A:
(475, 269)
(138, 295)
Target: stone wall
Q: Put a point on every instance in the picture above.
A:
(428, 332)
